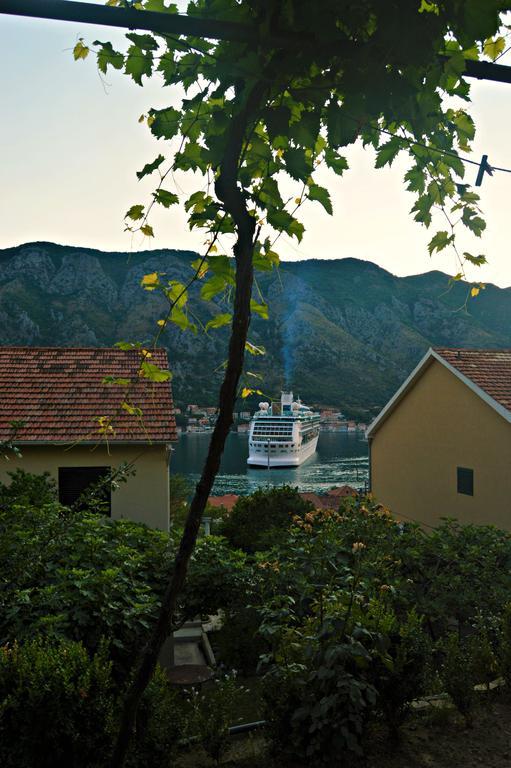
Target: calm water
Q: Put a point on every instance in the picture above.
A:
(340, 458)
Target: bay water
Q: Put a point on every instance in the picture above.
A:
(341, 458)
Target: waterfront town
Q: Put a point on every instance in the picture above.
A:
(197, 418)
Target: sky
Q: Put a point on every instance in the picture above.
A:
(71, 144)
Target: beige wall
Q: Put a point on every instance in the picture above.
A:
(143, 498)
(438, 426)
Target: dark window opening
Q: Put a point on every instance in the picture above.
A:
(75, 481)
(466, 481)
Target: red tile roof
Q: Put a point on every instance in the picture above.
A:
(342, 491)
(489, 369)
(59, 395)
(228, 501)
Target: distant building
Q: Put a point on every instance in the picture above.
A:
(441, 447)
(74, 426)
(227, 501)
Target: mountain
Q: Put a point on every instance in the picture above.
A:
(341, 332)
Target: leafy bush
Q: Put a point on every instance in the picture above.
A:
(80, 577)
(459, 673)
(83, 577)
(56, 705)
(27, 490)
(258, 521)
(163, 722)
(400, 674)
(212, 714)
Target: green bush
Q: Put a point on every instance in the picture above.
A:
(56, 705)
(27, 490)
(400, 673)
(258, 521)
(164, 720)
(459, 673)
(212, 714)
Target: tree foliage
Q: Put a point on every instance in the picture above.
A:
(259, 118)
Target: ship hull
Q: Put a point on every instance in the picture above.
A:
(283, 459)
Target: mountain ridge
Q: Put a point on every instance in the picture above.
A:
(342, 332)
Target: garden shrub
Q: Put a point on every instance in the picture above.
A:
(258, 521)
(400, 673)
(56, 705)
(318, 703)
(459, 673)
(238, 644)
(504, 646)
(27, 489)
(163, 722)
(212, 714)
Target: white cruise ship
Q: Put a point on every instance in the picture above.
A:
(282, 434)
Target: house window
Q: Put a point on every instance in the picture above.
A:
(74, 481)
(466, 481)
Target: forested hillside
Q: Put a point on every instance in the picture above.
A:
(342, 332)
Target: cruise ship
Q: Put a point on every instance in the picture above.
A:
(282, 434)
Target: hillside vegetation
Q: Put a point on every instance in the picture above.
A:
(342, 332)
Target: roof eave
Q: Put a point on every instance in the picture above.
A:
(430, 356)
(488, 399)
(424, 363)
(78, 443)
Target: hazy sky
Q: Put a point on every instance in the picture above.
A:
(70, 147)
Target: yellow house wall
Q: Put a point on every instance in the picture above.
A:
(438, 426)
(143, 498)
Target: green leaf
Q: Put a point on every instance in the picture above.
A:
(259, 309)
(153, 372)
(283, 221)
(167, 67)
(80, 51)
(464, 125)
(138, 63)
(150, 167)
(247, 391)
(253, 349)
(478, 261)
(277, 121)
(108, 56)
(147, 230)
(387, 152)
(315, 192)
(494, 47)
(416, 179)
(146, 42)
(136, 212)
(213, 287)
(335, 162)
(305, 131)
(297, 165)
(439, 241)
(127, 345)
(473, 222)
(219, 320)
(165, 198)
(165, 123)
(117, 381)
(179, 318)
(342, 128)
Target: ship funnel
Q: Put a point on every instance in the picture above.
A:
(286, 400)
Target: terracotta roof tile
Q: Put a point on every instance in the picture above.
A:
(59, 395)
(489, 369)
